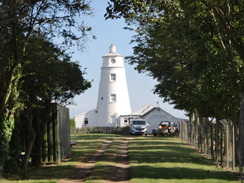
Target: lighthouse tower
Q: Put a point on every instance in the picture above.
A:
(113, 98)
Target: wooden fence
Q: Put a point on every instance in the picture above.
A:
(216, 139)
(56, 142)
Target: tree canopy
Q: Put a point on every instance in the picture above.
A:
(48, 76)
(19, 21)
(193, 49)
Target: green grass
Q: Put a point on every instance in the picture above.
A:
(151, 159)
(87, 144)
(167, 159)
(104, 168)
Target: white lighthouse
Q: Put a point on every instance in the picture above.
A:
(113, 103)
(113, 98)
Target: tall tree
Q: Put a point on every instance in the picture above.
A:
(195, 51)
(18, 20)
(180, 40)
(48, 75)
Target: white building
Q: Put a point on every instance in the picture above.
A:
(154, 115)
(113, 97)
(113, 103)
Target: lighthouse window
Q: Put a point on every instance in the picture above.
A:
(113, 98)
(113, 77)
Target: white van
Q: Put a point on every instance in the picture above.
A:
(138, 126)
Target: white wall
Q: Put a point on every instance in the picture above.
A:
(79, 120)
(92, 119)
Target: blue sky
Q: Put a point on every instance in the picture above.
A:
(109, 32)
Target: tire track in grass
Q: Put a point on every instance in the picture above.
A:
(121, 172)
(113, 165)
(86, 169)
(117, 169)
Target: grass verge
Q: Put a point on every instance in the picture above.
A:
(169, 160)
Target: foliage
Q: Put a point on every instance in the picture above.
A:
(72, 123)
(15, 145)
(194, 49)
(18, 20)
(5, 136)
(48, 76)
(187, 47)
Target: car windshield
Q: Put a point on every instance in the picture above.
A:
(139, 122)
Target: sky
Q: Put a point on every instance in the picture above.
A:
(108, 32)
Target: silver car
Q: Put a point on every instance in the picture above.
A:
(138, 126)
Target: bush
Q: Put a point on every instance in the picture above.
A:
(72, 123)
(11, 166)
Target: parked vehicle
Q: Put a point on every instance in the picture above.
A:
(165, 128)
(138, 126)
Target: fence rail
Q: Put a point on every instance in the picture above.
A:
(216, 139)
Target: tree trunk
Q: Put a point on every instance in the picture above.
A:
(221, 145)
(197, 129)
(217, 140)
(37, 146)
(31, 135)
(212, 142)
(241, 137)
(191, 128)
(207, 127)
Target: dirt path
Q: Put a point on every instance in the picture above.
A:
(120, 173)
